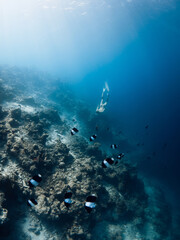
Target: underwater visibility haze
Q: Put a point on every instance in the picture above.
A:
(56, 56)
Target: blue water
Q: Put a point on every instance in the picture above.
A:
(145, 83)
(133, 45)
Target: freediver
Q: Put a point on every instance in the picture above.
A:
(104, 99)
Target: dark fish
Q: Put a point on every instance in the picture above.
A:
(97, 128)
(114, 146)
(67, 198)
(107, 162)
(90, 203)
(164, 146)
(31, 202)
(121, 155)
(34, 182)
(93, 137)
(74, 131)
(147, 126)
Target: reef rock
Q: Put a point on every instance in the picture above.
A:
(51, 115)
(3, 132)
(16, 113)
(13, 123)
(38, 140)
(3, 211)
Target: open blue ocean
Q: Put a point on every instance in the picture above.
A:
(65, 52)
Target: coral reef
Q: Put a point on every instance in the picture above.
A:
(35, 138)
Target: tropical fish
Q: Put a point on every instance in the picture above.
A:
(34, 182)
(119, 157)
(114, 146)
(107, 162)
(31, 202)
(74, 131)
(90, 203)
(67, 199)
(93, 137)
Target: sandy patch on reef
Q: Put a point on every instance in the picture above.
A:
(34, 229)
(24, 108)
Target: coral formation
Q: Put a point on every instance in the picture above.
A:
(35, 138)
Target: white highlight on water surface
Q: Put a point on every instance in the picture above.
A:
(70, 37)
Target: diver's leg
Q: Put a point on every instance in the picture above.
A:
(107, 97)
(102, 96)
(106, 86)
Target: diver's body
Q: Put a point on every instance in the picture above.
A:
(102, 106)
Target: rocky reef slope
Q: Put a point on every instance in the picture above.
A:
(35, 138)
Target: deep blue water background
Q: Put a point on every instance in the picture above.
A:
(144, 85)
(133, 45)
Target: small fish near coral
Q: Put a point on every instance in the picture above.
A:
(114, 146)
(90, 203)
(108, 162)
(31, 202)
(34, 181)
(74, 131)
(93, 137)
(67, 198)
